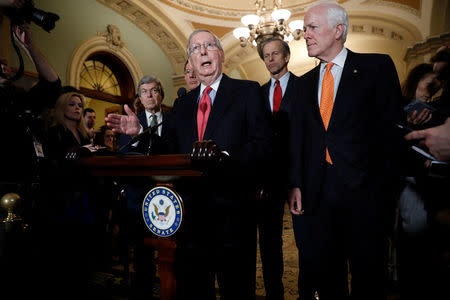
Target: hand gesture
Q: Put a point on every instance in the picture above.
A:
(125, 124)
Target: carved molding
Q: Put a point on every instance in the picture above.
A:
(430, 45)
(398, 5)
(149, 22)
(97, 44)
(113, 37)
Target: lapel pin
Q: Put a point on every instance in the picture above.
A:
(355, 71)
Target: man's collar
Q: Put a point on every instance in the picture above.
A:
(339, 60)
(214, 86)
(285, 77)
(148, 114)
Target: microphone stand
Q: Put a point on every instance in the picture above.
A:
(149, 130)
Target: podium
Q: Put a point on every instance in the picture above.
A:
(164, 170)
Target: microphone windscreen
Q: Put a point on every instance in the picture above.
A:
(181, 92)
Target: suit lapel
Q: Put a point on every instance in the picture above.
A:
(313, 94)
(143, 119)
(288, 94)
(192, 100)
(347, 79)
(224, 98)
(265, 90)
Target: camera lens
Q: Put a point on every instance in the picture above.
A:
(44, 19)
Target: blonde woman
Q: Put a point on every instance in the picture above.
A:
(68, 131)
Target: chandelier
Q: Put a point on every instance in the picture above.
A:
(268, 23)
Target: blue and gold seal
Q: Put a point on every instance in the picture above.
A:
(162, 211)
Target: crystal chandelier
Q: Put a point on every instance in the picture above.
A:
(266, 24)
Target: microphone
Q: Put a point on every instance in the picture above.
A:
(149, 130)
(181, 92)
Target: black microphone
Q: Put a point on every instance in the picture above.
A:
(181, 92)
(149, 130)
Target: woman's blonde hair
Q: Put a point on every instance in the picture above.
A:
(60, 107)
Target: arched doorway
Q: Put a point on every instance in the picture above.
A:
(106, 83)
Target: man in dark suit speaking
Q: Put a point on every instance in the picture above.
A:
(343, 162)
(218, 235)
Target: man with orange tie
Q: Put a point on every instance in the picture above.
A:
(278, 93)
(343, 157)
(217, 239)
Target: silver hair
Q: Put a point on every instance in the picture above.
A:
(150, 79)
(216, 40)
(336, 14)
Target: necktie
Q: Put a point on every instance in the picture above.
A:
(204, 107)
(153, 121)
(326, 101)
(277, 95)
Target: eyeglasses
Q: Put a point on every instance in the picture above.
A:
(154, 91)
(210, 46)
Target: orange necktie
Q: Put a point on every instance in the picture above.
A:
(326, 101)
(204, 107)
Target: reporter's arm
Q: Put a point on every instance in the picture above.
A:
(45, 70)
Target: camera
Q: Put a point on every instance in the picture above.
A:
(28, 13)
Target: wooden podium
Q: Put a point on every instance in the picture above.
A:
(164, 170)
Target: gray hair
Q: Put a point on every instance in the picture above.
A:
(216, 40)
(151, 79)
(336, 14)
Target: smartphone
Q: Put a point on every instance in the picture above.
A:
(418, 106)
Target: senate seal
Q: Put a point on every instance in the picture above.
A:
(162, 211)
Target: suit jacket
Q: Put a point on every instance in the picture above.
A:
(361, 136)
(238, 124)
(280, 126)
(159, 143)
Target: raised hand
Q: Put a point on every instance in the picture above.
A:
(125, 124)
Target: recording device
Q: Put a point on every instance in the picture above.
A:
(140, 136)
(28, 13)
(181, 92)
(418, 106)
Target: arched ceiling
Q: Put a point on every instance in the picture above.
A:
(169, 22)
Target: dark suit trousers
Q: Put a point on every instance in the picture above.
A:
(270, 230)
(216, 242)
(342, 235)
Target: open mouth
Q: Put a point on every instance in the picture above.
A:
(206, 64)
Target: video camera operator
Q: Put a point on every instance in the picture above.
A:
(19, 108)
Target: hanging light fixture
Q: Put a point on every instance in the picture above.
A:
(266, 24)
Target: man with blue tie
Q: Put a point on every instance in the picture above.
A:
(343, 162)
(278, 93)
